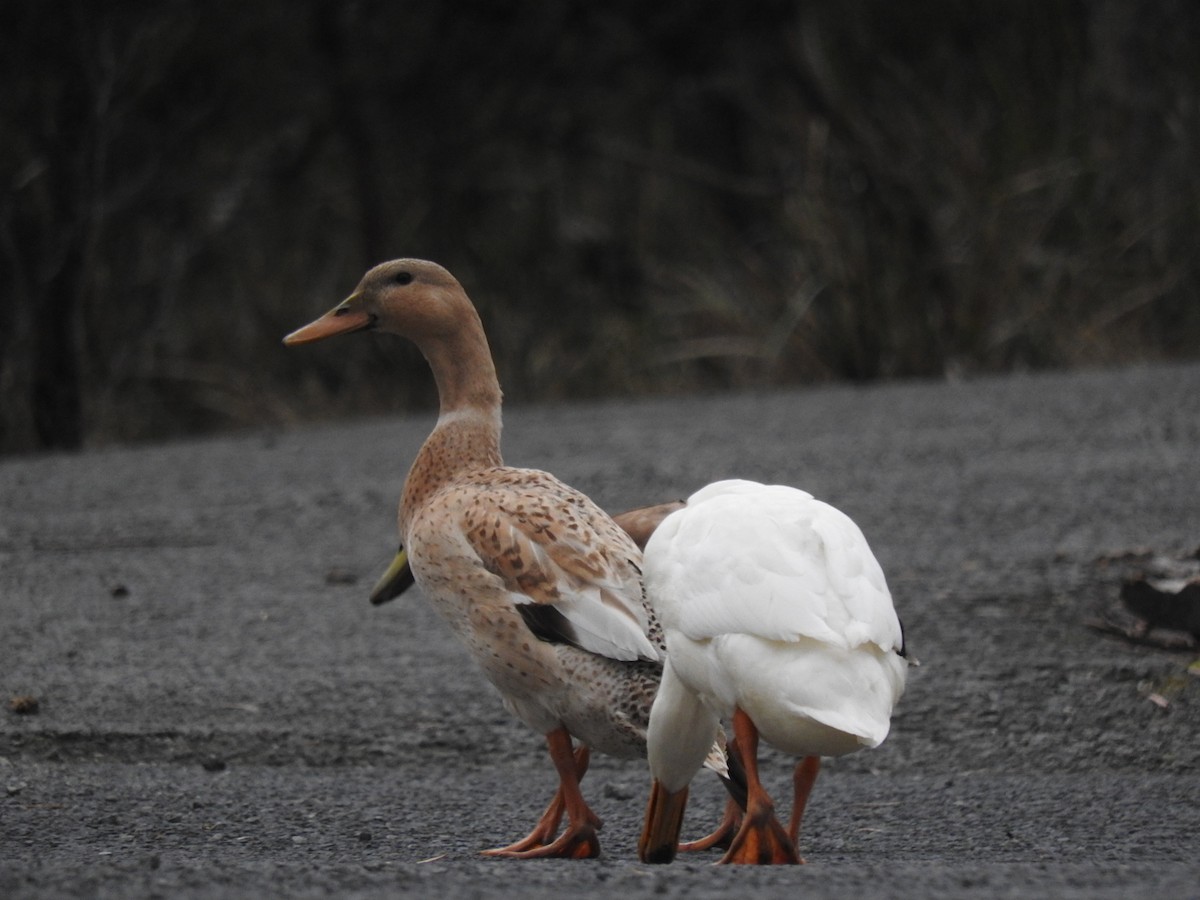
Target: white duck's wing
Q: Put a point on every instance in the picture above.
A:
(570, 570)
(768, 561)
(857, 581)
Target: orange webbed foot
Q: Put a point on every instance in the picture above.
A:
(579, 841)
(762, 840)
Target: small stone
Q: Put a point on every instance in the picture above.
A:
(617, 792)
(340, 576)
(24, 706)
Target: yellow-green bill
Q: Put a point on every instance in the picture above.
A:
(395, 581)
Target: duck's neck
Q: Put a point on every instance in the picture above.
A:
(467, 435)
(462, 367)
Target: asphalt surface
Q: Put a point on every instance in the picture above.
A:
(221, 713)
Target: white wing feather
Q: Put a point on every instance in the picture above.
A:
(783, 567)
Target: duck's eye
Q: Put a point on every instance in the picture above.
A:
(402, 278)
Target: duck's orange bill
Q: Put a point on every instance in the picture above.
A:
(340, 320)
(664, 821)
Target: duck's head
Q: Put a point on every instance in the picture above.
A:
(410, 297)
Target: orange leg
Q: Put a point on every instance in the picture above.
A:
(803, 780)
(761, 840)
(723, 836)
(547, 826)
(579, 841)
(731, 820)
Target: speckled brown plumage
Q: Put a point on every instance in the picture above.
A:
(539, 584)
(496, 540)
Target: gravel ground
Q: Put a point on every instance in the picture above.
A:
(221, 713)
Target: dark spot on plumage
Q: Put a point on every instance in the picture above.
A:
(548, 624)
(535, 584)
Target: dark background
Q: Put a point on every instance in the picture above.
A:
(640, 197)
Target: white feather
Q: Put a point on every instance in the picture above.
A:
(599, 626)
(680, 734)
(771, 561)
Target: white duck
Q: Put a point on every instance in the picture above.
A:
(776, 615)
(539, 584)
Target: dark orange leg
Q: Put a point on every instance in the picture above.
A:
(761, 840)
(731, 820)
(803, 780)
(579, 841)
(547, 826)
(722, 837)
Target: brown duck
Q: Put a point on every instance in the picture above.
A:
(539, 584)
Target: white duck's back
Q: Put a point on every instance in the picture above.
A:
(772, 601)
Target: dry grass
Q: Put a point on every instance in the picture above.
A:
(688, 197)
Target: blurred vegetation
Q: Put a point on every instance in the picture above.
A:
(639, 197)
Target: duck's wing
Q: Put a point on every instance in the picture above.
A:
(640, 523)
(569, 569)
(772, 562)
